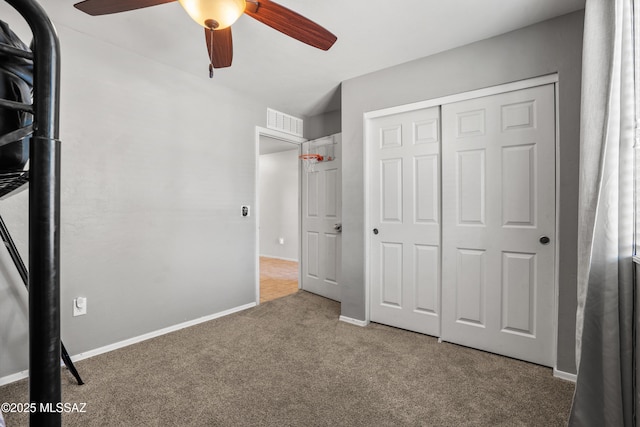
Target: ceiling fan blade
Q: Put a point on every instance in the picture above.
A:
(220, 47)
(290, 23)
(105, 7)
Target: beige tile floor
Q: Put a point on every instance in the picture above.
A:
(278, 278)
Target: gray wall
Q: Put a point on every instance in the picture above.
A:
(549, 47)
(278, 183)
(323, 124)
(153, 177)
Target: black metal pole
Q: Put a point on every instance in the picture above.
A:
(22, 270)
(44, 220)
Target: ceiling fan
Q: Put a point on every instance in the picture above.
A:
(216, 16)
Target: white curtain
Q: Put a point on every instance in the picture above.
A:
(604, 389)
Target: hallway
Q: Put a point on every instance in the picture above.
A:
(278, 278)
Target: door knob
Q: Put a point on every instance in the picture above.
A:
(545, 240)
(338, 227)
(375, 231)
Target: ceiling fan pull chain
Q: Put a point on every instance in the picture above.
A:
(211, 53)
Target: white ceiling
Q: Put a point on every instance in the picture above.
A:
(293, 77)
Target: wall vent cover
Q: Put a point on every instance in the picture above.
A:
(284, 122)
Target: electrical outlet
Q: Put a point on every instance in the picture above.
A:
(281, 240)
(79, 306)
(245, 211)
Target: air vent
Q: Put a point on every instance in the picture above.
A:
(284, 122)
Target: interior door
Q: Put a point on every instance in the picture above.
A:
(404, 216)
(499, 223)
(321, 219)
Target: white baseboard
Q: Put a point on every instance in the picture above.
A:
(565, 375)
(159, 332)
(14, 377)
(353, 321)
(107, 348)
(279, 257)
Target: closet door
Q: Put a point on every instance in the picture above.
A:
(498, 206)
(404, 218)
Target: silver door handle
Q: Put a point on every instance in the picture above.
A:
(338, 227)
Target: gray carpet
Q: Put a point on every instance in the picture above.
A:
(290, 362)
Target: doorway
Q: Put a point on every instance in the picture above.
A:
(277, 211)
(278, 278)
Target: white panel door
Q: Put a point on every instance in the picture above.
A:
(498, 207)
(404, 216)
(321, 216)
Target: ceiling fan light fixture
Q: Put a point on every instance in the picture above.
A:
(210, 12)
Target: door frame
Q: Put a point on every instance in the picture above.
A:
(369, 116)
(296, 140)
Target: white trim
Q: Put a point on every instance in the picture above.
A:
(464, 96)
(300, 218)
(282, 136)
(367, 224)
(565, 375)
(271, 133)
(441, 231)
(479, 93)
(556, 284)
(14, 377)
(135, 340)
(354, 321)
(159, 332)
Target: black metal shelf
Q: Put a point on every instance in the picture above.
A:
(45, 345)
(13, 182)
